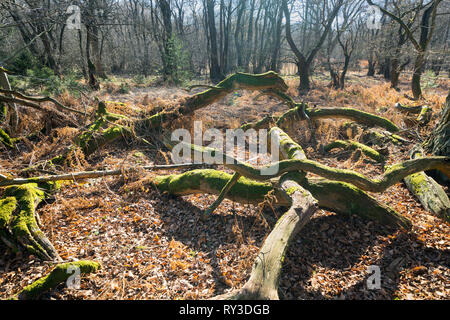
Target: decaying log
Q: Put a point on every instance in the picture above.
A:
(60, 274)
(430, 193)
(339, 197)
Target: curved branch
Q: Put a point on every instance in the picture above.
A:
(392, 176)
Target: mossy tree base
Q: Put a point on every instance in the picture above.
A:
(18, 224)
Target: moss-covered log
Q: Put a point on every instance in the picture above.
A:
(212, 182)
(430, 193)
(18, 224)
(60, 274)
(339, 197)
(354, 145)
(336, 196)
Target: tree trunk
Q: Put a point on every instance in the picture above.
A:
(439, 142)
(215, 71)
(417, 75)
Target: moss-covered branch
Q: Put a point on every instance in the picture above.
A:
(237, 81)
(264, 279)
(353, 145)
(265, 275)
(5, 139)
(296, 114)
(60, 274)
(392, 176)
(339, 197)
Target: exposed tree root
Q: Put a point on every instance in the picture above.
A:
(353, 145)
(60, 274)
(18, 224)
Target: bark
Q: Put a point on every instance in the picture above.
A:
(265, 275)
(215, 70)
(296, 114)
(439, 141)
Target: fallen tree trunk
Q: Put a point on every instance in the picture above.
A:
(430, 194)
(60, 274)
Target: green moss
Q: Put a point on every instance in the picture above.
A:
(58, 275)
(5, 139)
(419, 183)
(353, 145)
(345, 198)
(7, 207)
(22, 225)
(212, 181)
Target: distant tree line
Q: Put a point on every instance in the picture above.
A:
(182, 39)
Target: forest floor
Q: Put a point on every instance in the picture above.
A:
(155, 246)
